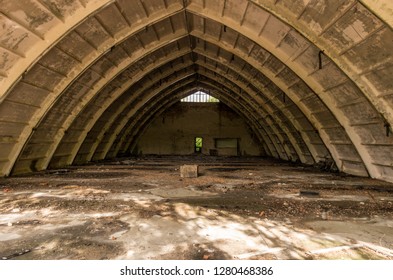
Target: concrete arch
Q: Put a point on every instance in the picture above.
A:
(177, 69)
(45, 129)
(315, 86)
(183, 92)
(121, 145)
(285, 149)
(119, 126)
(292, 112)
(348, 100)
(125, 107)
(44, 35)
(153, 83)
(75, 106)
(99, 137)
(60, 97)
(374, 16)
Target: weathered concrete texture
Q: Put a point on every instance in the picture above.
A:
(174, 131)
(189, 171)
(239, 208)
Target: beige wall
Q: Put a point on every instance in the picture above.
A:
(174, 131)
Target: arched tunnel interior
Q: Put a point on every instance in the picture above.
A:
(100, 88)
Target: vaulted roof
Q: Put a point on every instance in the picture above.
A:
(81, 79)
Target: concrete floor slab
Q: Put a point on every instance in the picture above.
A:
(147, 211)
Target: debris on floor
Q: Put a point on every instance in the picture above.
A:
(141, 209)
(189, 171)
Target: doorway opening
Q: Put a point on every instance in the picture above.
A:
(198, 144)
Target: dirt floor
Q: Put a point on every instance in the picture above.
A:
(238, 208)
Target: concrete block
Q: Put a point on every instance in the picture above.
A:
(189, 171)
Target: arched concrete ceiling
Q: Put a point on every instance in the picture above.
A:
(81, 79)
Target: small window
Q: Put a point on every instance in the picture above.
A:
(201, 97)
(198, 144)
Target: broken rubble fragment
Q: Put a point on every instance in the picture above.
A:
(189, 171)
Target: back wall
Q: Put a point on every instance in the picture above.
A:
(175, 130)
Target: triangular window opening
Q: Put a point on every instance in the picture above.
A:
(200, 96)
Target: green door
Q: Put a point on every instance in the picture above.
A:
(198, 144)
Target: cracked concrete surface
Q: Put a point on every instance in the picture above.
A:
(236, 209)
